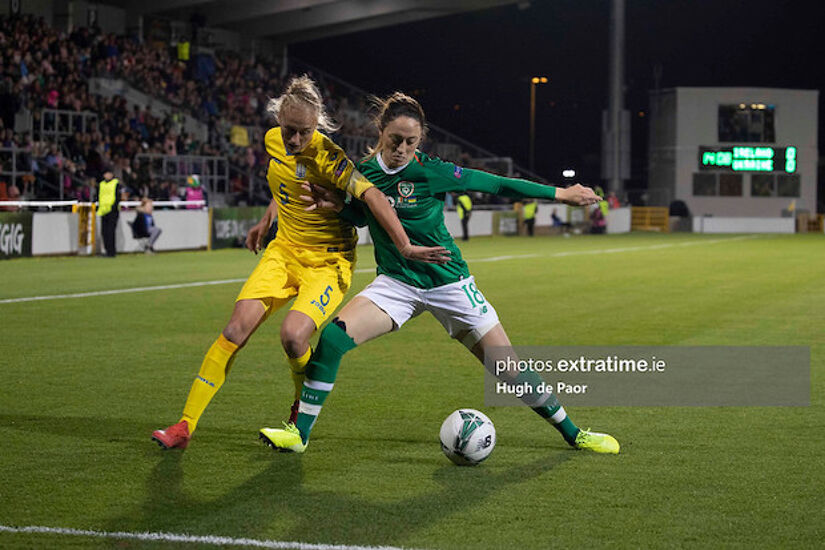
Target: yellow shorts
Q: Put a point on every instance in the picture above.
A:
(318, 278)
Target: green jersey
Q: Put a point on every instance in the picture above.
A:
(417, 192)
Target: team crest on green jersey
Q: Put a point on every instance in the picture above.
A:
(406, 189)
(300, 171)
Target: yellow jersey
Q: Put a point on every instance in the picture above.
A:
(322, 163)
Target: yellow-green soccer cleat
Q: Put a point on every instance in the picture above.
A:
(284, 440)
(596, 442)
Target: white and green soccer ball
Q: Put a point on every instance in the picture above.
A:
(467, 437)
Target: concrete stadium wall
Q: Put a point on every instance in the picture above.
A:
(618, 220)
(54, 233)
(481, 223)
(713, 224)
(544, 216)
(182, 230)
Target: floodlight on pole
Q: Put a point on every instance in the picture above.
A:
(536, 80)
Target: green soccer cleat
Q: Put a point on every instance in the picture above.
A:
(284, 440)
(596, 442)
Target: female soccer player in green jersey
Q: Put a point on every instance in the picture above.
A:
(415, 184)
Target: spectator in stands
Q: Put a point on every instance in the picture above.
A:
(239, 189)
(8, 193)
(28, 184)
(222, 90)
(174, 194)
(194, 191)
(170, 144)
(4, 196)
(14, 195)
(109, 210)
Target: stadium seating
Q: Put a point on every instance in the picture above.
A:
(63, 136)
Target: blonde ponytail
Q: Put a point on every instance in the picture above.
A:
(302, 90)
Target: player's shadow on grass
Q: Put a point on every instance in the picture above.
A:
(360, 521)
(101, 428)
(274, 504)
(241, 512)
(253, 508)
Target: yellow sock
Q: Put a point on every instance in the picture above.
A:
(297, 366)
(210, 378)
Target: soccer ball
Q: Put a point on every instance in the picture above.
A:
(467, 437)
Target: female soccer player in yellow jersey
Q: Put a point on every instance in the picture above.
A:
(311, 259)
(415, 184)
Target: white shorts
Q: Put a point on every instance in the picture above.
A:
(460, 307)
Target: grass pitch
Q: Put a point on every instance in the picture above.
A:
(86, 380)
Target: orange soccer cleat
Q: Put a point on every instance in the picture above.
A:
(175, 436)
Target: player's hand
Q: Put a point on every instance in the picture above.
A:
(426, 254)
(321, 197)
(255, 237)
(577, 195)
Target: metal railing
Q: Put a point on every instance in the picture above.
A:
(48, 181)
(13, 164)
(61, 123)
(53, 180)
(213, 171)
(255, 187)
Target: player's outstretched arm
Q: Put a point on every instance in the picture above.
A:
(256, 234)
(577, 195)
(447, 177)
(385, 214)
(320, 197)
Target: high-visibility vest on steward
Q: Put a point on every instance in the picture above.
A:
(183, 51)
(106, 196)
(530, 210)
(465, 204)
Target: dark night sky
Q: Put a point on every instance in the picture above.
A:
(481, 62)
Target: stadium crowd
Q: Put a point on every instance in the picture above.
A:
(43, 69)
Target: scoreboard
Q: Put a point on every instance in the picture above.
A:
(746, 158)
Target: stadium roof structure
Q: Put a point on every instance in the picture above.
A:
(290, 21)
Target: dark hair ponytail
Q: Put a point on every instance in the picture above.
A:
(396, 105)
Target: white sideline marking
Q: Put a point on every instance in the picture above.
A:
(182, 538)
(372, 269)
(610, 250)
(119, 291)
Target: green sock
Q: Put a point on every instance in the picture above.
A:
(557, 416)
(546, 405)
(320, 375)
